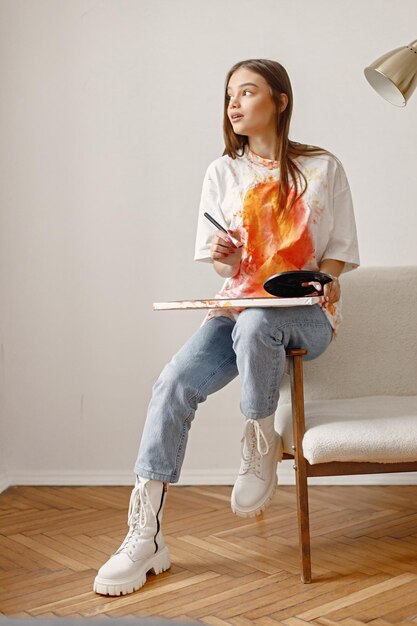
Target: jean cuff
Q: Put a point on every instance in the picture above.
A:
(154, 475)
(258, 415)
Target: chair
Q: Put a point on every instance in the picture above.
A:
(360, 416)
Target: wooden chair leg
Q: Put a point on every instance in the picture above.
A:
(300, 465)
(303, 523)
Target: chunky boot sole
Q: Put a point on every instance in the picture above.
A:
(157, 564)
(261, 506)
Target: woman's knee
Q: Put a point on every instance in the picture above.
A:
(257, 325)
(177, 378)
(318, 341)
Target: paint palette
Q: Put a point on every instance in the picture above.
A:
(296, 284)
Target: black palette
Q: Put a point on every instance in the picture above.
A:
(292, 284)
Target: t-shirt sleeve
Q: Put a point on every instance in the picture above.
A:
(343, 239)
(210, 203)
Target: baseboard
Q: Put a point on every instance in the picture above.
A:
(4, 481)
(194, 477)
(103, 478)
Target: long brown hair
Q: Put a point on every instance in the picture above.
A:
(278, 80)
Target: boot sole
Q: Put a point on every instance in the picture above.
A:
(157, 564)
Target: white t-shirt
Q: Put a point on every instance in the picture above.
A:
(242, 193)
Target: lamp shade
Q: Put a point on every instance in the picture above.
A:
(394, 75)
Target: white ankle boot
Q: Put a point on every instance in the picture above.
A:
(143, 548)
(257, 479)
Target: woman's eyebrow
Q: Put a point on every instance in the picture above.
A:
(244, 85)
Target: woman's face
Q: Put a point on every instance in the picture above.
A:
(249, 96)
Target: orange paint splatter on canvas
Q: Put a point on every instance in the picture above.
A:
(271, 244)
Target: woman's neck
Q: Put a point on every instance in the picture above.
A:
(264, 147)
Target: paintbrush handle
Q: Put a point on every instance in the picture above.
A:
(213, 221)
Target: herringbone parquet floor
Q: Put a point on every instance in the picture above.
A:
(226, 570)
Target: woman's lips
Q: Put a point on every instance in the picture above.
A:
(236, 119)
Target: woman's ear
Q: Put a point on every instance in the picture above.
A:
(284, 101)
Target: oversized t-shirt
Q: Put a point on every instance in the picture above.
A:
(242, 194)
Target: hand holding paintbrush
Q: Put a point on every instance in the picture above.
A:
(226, 247)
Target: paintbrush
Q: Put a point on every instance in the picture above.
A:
(233, 240)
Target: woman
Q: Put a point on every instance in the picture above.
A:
(254, 190)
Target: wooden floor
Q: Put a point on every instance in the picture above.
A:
(226, 570)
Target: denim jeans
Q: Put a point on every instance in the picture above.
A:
(253, 347)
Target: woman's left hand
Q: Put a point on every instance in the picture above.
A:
(331, 291)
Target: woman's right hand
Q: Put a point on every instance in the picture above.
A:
(223, 250)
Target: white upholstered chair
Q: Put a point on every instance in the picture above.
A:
(354, 409)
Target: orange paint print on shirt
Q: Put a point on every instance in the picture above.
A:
(271, 243)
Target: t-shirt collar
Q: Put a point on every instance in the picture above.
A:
(258, 160)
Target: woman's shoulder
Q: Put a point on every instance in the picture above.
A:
(327, 166)
(220, 162)
(320, 158)
(312, 152)
(222, 167)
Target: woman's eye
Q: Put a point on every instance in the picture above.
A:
(245, 91)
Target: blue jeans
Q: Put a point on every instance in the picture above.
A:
(254, 347)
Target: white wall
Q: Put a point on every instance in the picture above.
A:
(111, 111)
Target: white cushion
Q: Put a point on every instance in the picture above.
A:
(379, 428)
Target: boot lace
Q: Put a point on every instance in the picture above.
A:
(256, 445)
(137, 517)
